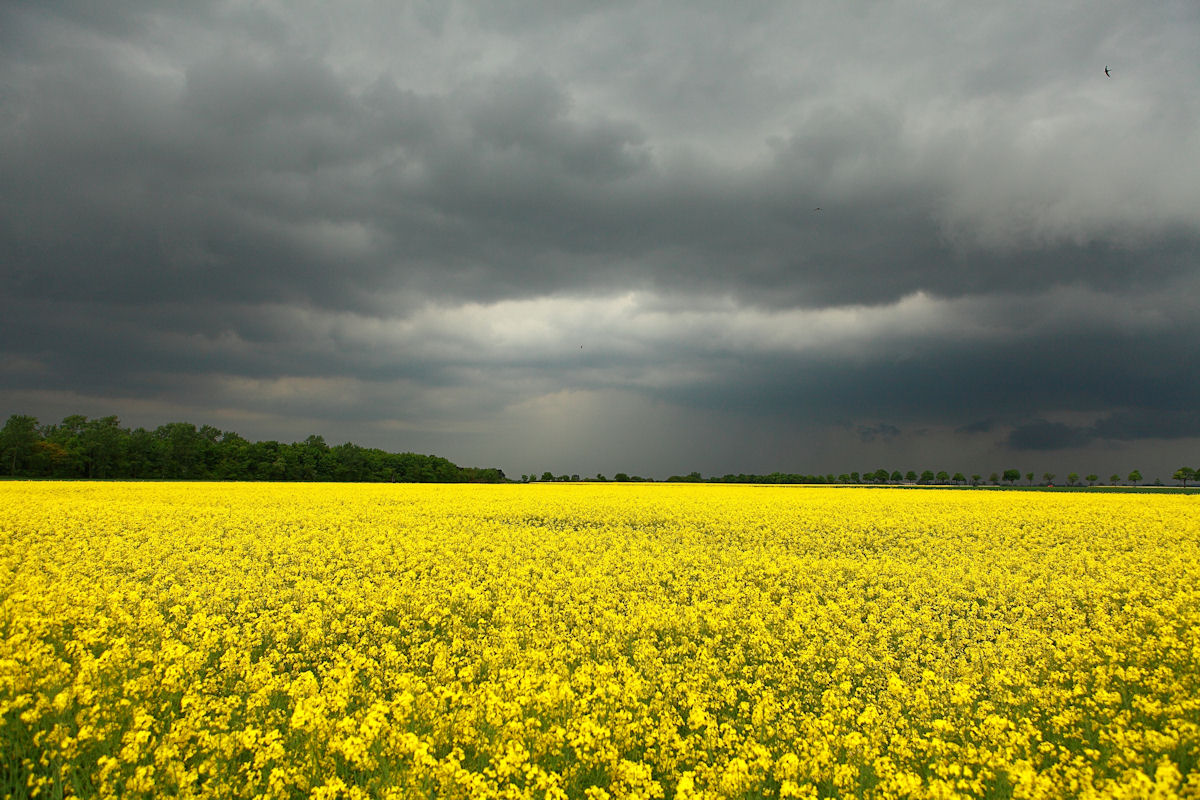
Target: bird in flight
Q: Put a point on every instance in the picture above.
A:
(818, 208)
(1107, 73)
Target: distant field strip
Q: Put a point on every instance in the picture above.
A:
(599, 641)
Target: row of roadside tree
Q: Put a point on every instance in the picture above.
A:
(1009, 477)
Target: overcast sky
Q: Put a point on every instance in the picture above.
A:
(586, 237)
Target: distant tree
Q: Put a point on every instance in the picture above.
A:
(94, 448)
(281, 463)
(1029, 478)
(183, 452)
(943, 476)
(1073, 478)
(100, 448)
(1011, 476)
(68, 435)
(17, 440)
(481, 475)
(50, 459)
(621, 476)
(843, 478)
(314, 456)
(1091, 479)
(1048, 477)
(910, 476)
(926, 477)
(975, 479)
(600, 477)
(101, 444)
(854, 478)
(1114, 479)
(348, 462)
(896, 476)
(1184, 474)
(994, 478)
(1135, 477)
(547, 476)
(959, 478)
(142, 458)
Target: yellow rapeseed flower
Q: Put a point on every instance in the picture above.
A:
(596, 641)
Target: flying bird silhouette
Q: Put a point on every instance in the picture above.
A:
(1107, 73)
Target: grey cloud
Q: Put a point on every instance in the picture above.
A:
(881, 431)
(498, 193)
(195, 193)
(528, 116)
(1123, 426)
(1043, 435)
(282, 97)
(979, 426)
(1169, 423)
(1009, 375)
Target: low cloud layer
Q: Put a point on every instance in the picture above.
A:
(1124, 426)
(724, 239)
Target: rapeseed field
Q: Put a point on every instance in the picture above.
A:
(596, 641)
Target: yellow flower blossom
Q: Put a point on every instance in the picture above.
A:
(596, 641)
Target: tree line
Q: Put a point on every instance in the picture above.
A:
(100, 448)
(1008, 477)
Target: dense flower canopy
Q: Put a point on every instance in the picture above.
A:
(551, 641)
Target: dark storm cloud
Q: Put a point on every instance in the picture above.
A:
(1123, 426)
(953, 383)
(1170, 423)
(979, 426)
(432, 214)
(253, 153)
(1043, 435)
(882, 431)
